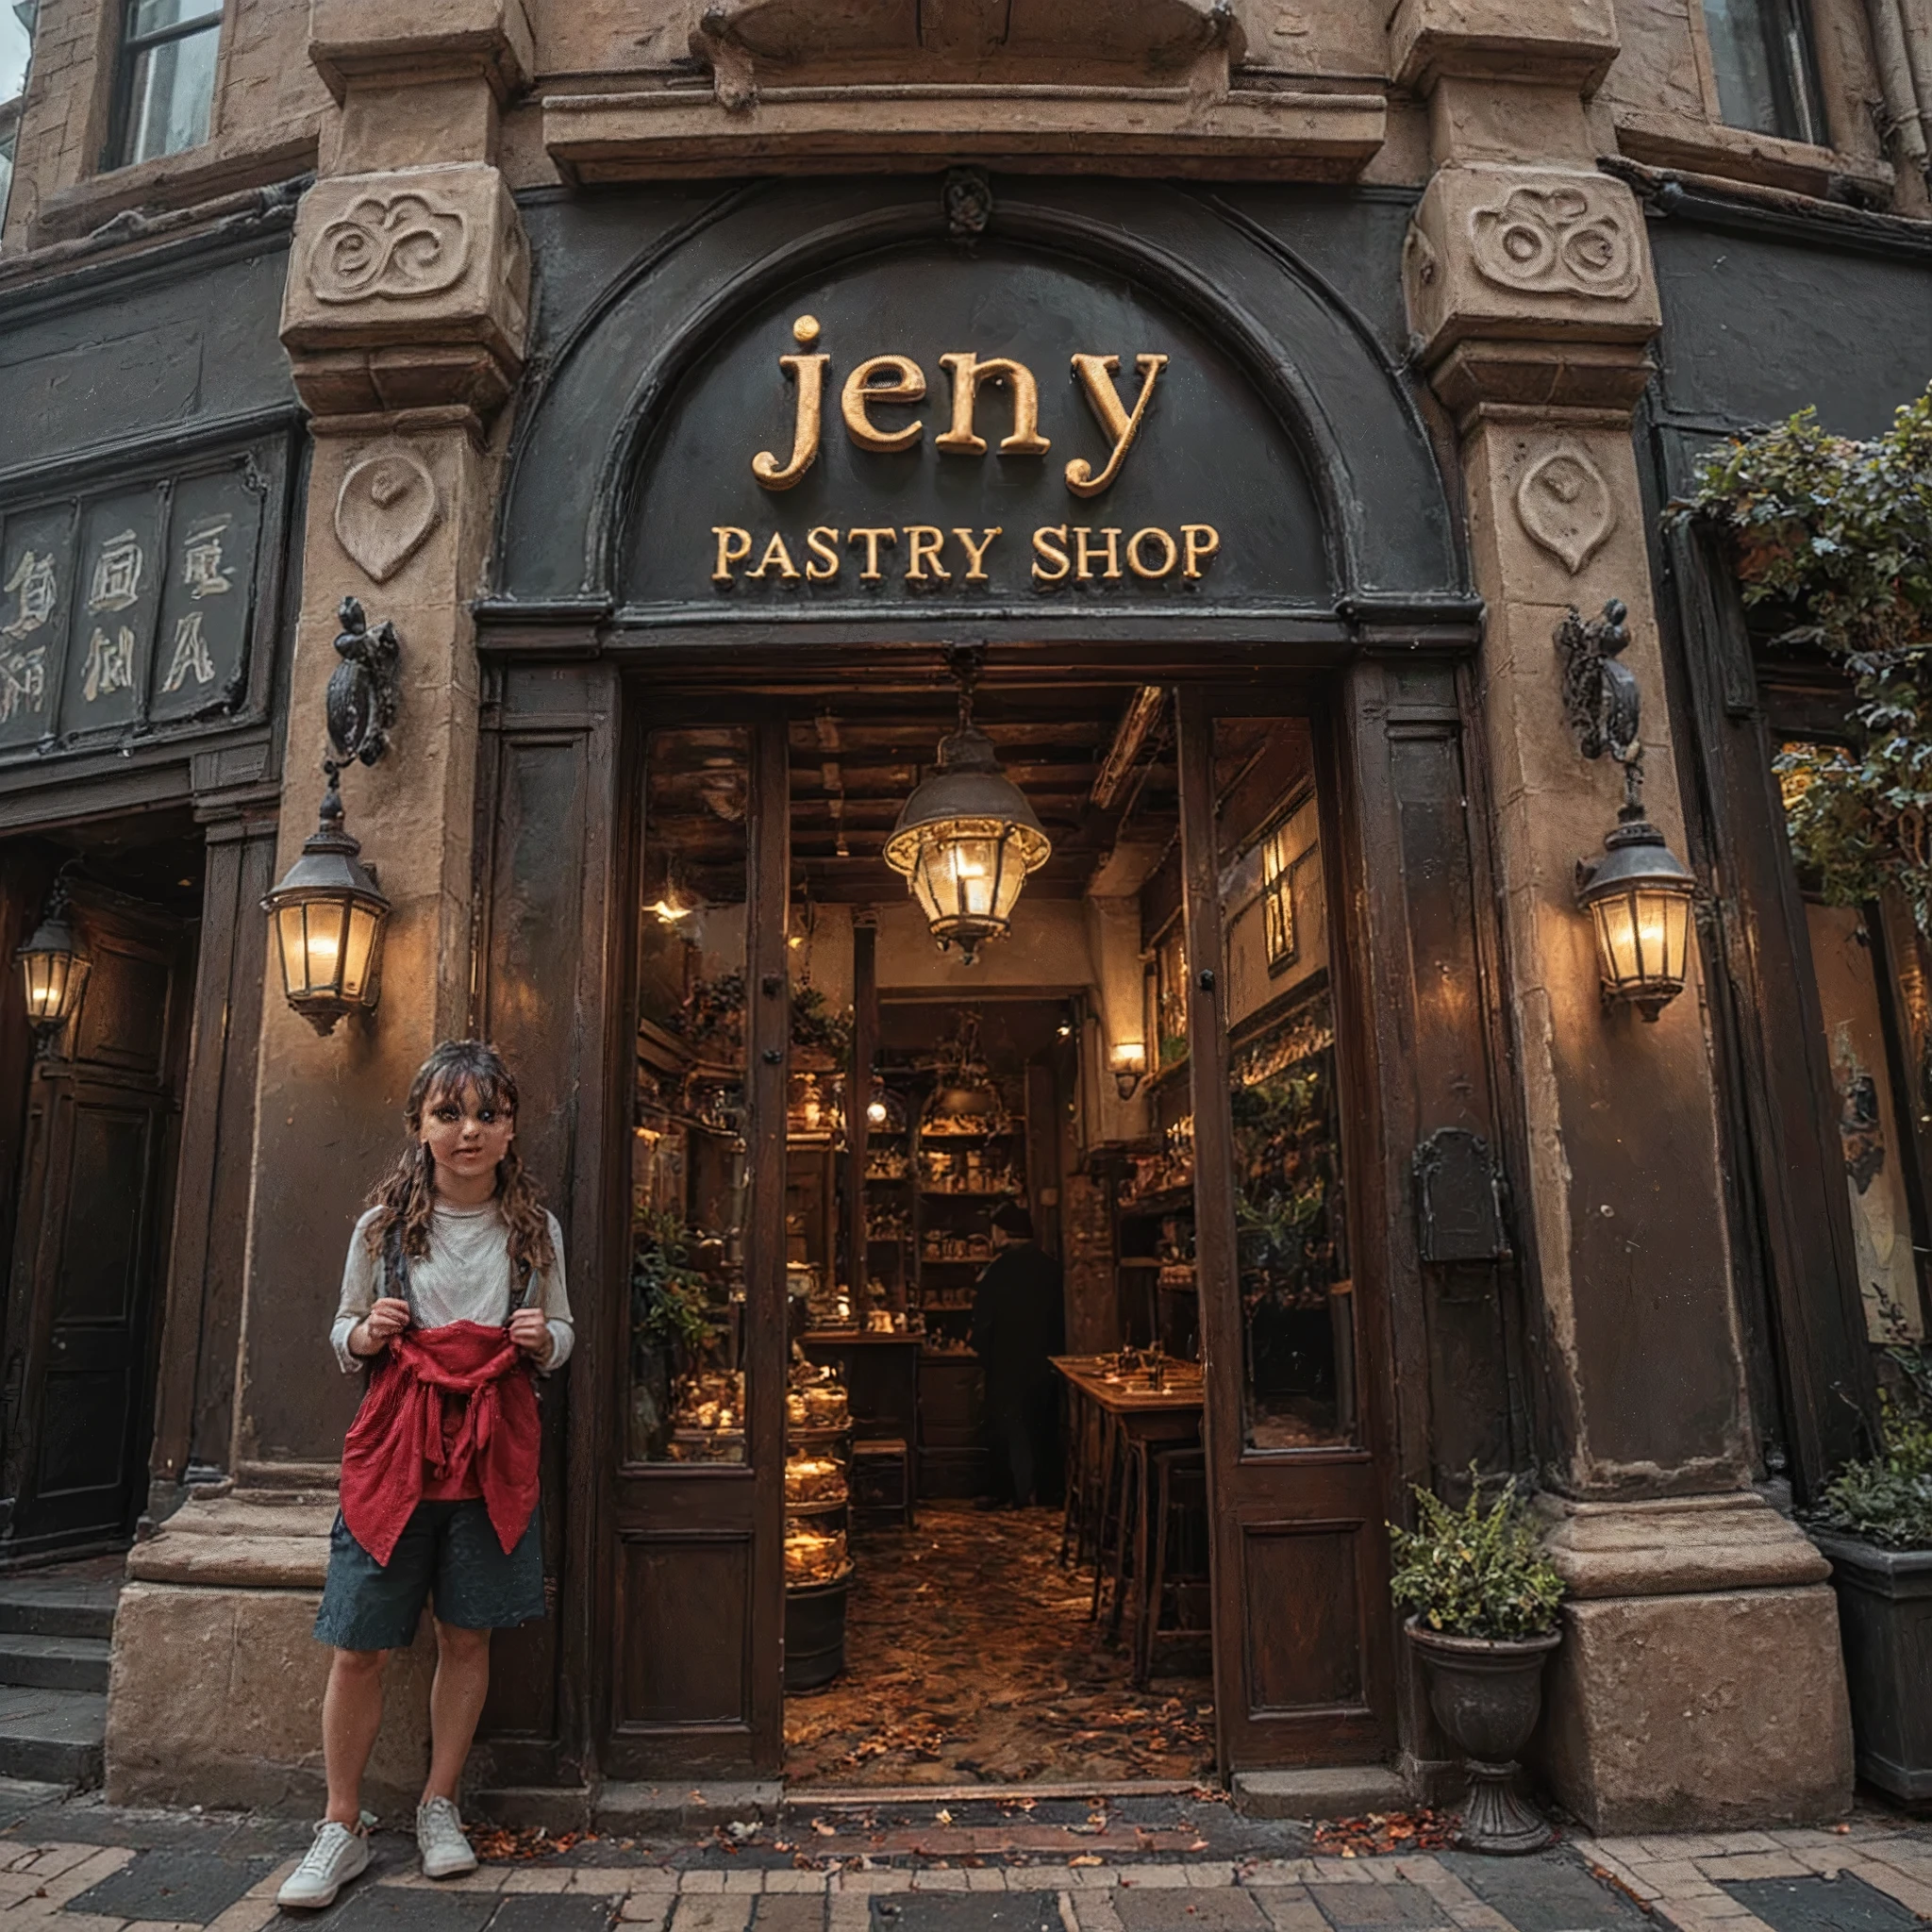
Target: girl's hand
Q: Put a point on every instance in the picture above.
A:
(385, 1321)
(531, 1333)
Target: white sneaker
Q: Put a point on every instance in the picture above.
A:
(446, 1852)
(336, 1855)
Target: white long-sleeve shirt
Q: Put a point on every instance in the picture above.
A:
(466, 1276)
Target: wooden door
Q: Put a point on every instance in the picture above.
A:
(92, 1228)
(1303, 1671)
(696, 1666)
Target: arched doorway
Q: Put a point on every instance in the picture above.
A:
(1123, 444)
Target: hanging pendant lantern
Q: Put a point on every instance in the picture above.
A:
(967, 839)
(327, 915)
(53, 967)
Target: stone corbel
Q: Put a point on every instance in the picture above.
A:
(408, 290)
(1531, 287)
(1557, 43)
(378, 43)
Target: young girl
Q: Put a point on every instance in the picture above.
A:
(454, 1291)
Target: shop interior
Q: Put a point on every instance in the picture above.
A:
(988, 1010)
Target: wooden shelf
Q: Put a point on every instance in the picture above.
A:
(1172, 1201)
(971, 1194)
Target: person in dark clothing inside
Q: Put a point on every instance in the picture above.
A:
(1019, 1322)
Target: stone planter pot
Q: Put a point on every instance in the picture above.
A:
(1884, 1622)
(1486, 1694)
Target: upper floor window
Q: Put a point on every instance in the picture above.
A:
(1277, 899)
(1766, 79)
(167, 78)
(16, 45)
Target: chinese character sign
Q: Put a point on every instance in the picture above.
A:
(127, 608)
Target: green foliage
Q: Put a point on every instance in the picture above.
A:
(1476, 1572)
(816, 1022)
(1840, 533)
(1888, 1500)
(670, 1299)
(713, 1014)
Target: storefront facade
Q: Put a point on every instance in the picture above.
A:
(1309, 409)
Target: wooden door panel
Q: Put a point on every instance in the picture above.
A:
(82, 1436)
(696, 1550)
(1300, 1609)
(677, 1669)
(1305, 1621)
(98, 1272)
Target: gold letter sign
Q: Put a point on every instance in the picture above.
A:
(1081, 555)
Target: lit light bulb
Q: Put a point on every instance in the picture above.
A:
(669, 912)
(875, 1114)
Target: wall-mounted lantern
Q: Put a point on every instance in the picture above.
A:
(967, 839)
(1638, 894)
(328, 913)
(328, 916)
(1128, 1063)
(53, 968)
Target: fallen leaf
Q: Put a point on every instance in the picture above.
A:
(1086, 1858)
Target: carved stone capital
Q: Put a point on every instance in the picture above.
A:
(381, 43)
(1563, 42)
(408, 290)
(1530, 253)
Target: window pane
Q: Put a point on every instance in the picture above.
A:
(156, 16)
(1744, 50)
(170, 93)
(1297, 1307)
(688, 1169)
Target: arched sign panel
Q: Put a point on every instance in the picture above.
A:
(958, 434)
(770, 423)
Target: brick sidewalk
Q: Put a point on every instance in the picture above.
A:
(81, 1867)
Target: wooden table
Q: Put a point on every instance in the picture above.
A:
(1125, 1421)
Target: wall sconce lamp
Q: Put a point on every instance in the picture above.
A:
(1638, 894)
(328, 913)
(54, 968)
(1129, 1062)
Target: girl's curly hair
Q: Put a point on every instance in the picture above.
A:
(405, 1196)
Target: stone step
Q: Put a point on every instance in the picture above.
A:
(48, 1604)
(53, 1663)
(52, 1736)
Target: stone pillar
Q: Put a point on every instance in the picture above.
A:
(404, 317)
(1700, 1680)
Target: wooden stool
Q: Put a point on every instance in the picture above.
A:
(881, 1484)
(1177, 1513)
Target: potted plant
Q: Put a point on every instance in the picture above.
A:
(1483, 1599)
(1875, 1523)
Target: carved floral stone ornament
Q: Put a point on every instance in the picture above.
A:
(402, 246)
(1564, 504)
(1565, 240)
(1638, 893)
(386, 508)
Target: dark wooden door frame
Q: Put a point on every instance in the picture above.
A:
(1363, 702)
(1796, 1268)
(64, 1081)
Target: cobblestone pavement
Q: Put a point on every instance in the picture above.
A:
(79, 1866)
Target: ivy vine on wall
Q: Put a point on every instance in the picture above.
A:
(1836, 535)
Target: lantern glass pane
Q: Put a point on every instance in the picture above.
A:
(926, 875)
(1616, 941)
(45, 975)
(291, 941)
(322, 938)
(357, 955)
(973, 865)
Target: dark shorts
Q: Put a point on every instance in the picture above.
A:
(447, 1553)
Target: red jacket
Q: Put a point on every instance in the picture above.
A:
(405, 1428)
